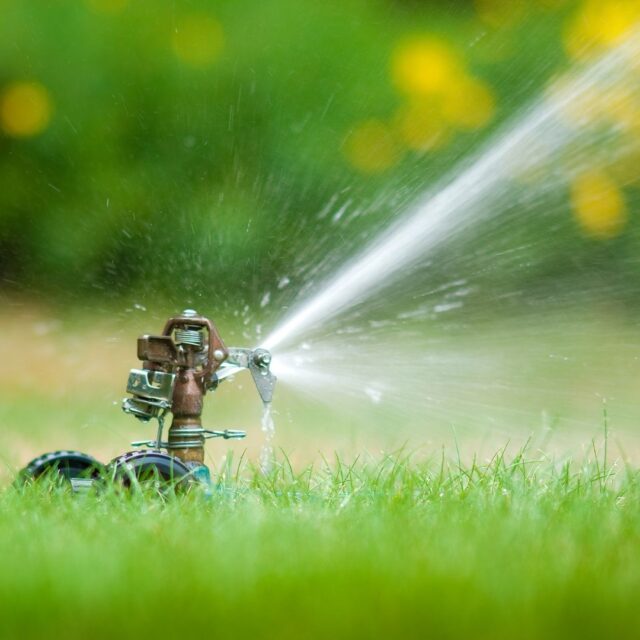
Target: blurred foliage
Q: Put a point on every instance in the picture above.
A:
(151, 146)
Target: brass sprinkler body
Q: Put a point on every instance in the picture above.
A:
(178, 368)
(180, 349)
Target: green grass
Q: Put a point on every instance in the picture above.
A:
(513, 548)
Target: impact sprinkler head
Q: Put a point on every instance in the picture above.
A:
(178, 368)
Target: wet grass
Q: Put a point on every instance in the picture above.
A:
(517, 546)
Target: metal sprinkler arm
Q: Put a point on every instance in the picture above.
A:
(227, 434)
(256, 361)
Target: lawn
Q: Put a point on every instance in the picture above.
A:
(421, 543)
(519, 546)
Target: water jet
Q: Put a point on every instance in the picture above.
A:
(378, 326)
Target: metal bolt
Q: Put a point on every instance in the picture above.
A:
(262, 357)
(190, 313)
(218, 354)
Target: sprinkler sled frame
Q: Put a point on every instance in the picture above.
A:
(178, 368)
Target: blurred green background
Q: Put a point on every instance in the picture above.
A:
(162, 147)
(156, 155)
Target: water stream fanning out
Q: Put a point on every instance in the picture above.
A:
(556, 125)
(332, 342)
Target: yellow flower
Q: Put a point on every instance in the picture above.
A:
(424, 66)
(600, 24)
(421, 127)
(468, 104)
(371, 148)
(25, 109)
(198, 40)
(432, 75)
(598, 204)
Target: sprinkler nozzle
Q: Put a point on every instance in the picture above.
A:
(257, 361)
(262, 358)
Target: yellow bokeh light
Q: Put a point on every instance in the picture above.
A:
(598, 204)
(198, 40)
(468, 104)
(619, 106)
(424, 66)
(431, 74)
(600, 24)
(421, 127)
(371, 147)
(25, 109)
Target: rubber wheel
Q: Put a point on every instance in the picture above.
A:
(144, 467)
(63, 464)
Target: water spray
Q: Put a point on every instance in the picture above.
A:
(545, 133)
(178, 368)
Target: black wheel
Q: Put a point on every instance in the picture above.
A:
(149, 467)
(63, 465)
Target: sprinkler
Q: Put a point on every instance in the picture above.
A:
(178, 368)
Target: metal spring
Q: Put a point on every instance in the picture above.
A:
(191, 337)
(187, 444)
(194, 432)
